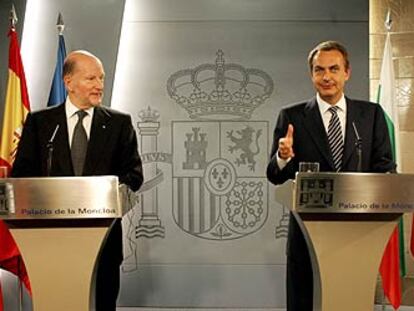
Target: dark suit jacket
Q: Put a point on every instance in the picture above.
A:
(310, 144)
(310, 141)
(112, 146)
(112, 150)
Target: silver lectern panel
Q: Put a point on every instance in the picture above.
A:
(60, 198)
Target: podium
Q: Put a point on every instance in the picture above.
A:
(347, 220)
(59, 225)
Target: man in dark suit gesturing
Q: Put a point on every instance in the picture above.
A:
(88, 139)
(324, 129)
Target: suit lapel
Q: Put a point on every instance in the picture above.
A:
(353, 115)
(314, 125)
(100, 129)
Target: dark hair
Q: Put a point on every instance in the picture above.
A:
(328, 46)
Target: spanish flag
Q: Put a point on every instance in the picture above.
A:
(16, 109)
(17, 104)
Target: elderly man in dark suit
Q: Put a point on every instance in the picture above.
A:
(322, 130)
(88, 140)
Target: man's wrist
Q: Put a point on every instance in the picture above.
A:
(281, 163)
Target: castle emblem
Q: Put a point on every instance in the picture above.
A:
(195, 145)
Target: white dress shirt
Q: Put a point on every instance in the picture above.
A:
(326, 117)
(72, 119)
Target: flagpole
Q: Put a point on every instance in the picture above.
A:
(60, 25)
(13, 17)
(387, 24)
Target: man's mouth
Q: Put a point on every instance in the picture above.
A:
(327, 86)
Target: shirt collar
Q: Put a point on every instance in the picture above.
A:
(71, 109)
(324, 106)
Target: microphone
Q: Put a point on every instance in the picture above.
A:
(358, 146)
(49, 147)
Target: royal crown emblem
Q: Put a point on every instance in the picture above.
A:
(149, 115)
(220, 90)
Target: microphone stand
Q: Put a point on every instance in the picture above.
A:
(358, 146)
(49, 147)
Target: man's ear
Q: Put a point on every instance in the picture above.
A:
(68, 81)
(348, 73)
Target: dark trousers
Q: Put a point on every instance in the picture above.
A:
(299, 278)
(108, 273)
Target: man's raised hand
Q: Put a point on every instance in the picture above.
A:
(286, 144)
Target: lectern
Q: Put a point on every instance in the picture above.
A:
(347, 220)
(59, 225)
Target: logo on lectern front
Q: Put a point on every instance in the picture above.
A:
(316, 192)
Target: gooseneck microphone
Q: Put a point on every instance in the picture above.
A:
(358, 146)
(49, 147)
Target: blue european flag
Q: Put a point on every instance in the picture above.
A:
(58, 92)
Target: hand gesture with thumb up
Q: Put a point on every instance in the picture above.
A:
(286, 144)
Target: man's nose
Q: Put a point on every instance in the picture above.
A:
(326, 76)
(99, 84)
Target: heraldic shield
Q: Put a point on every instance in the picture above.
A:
(219, 188)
